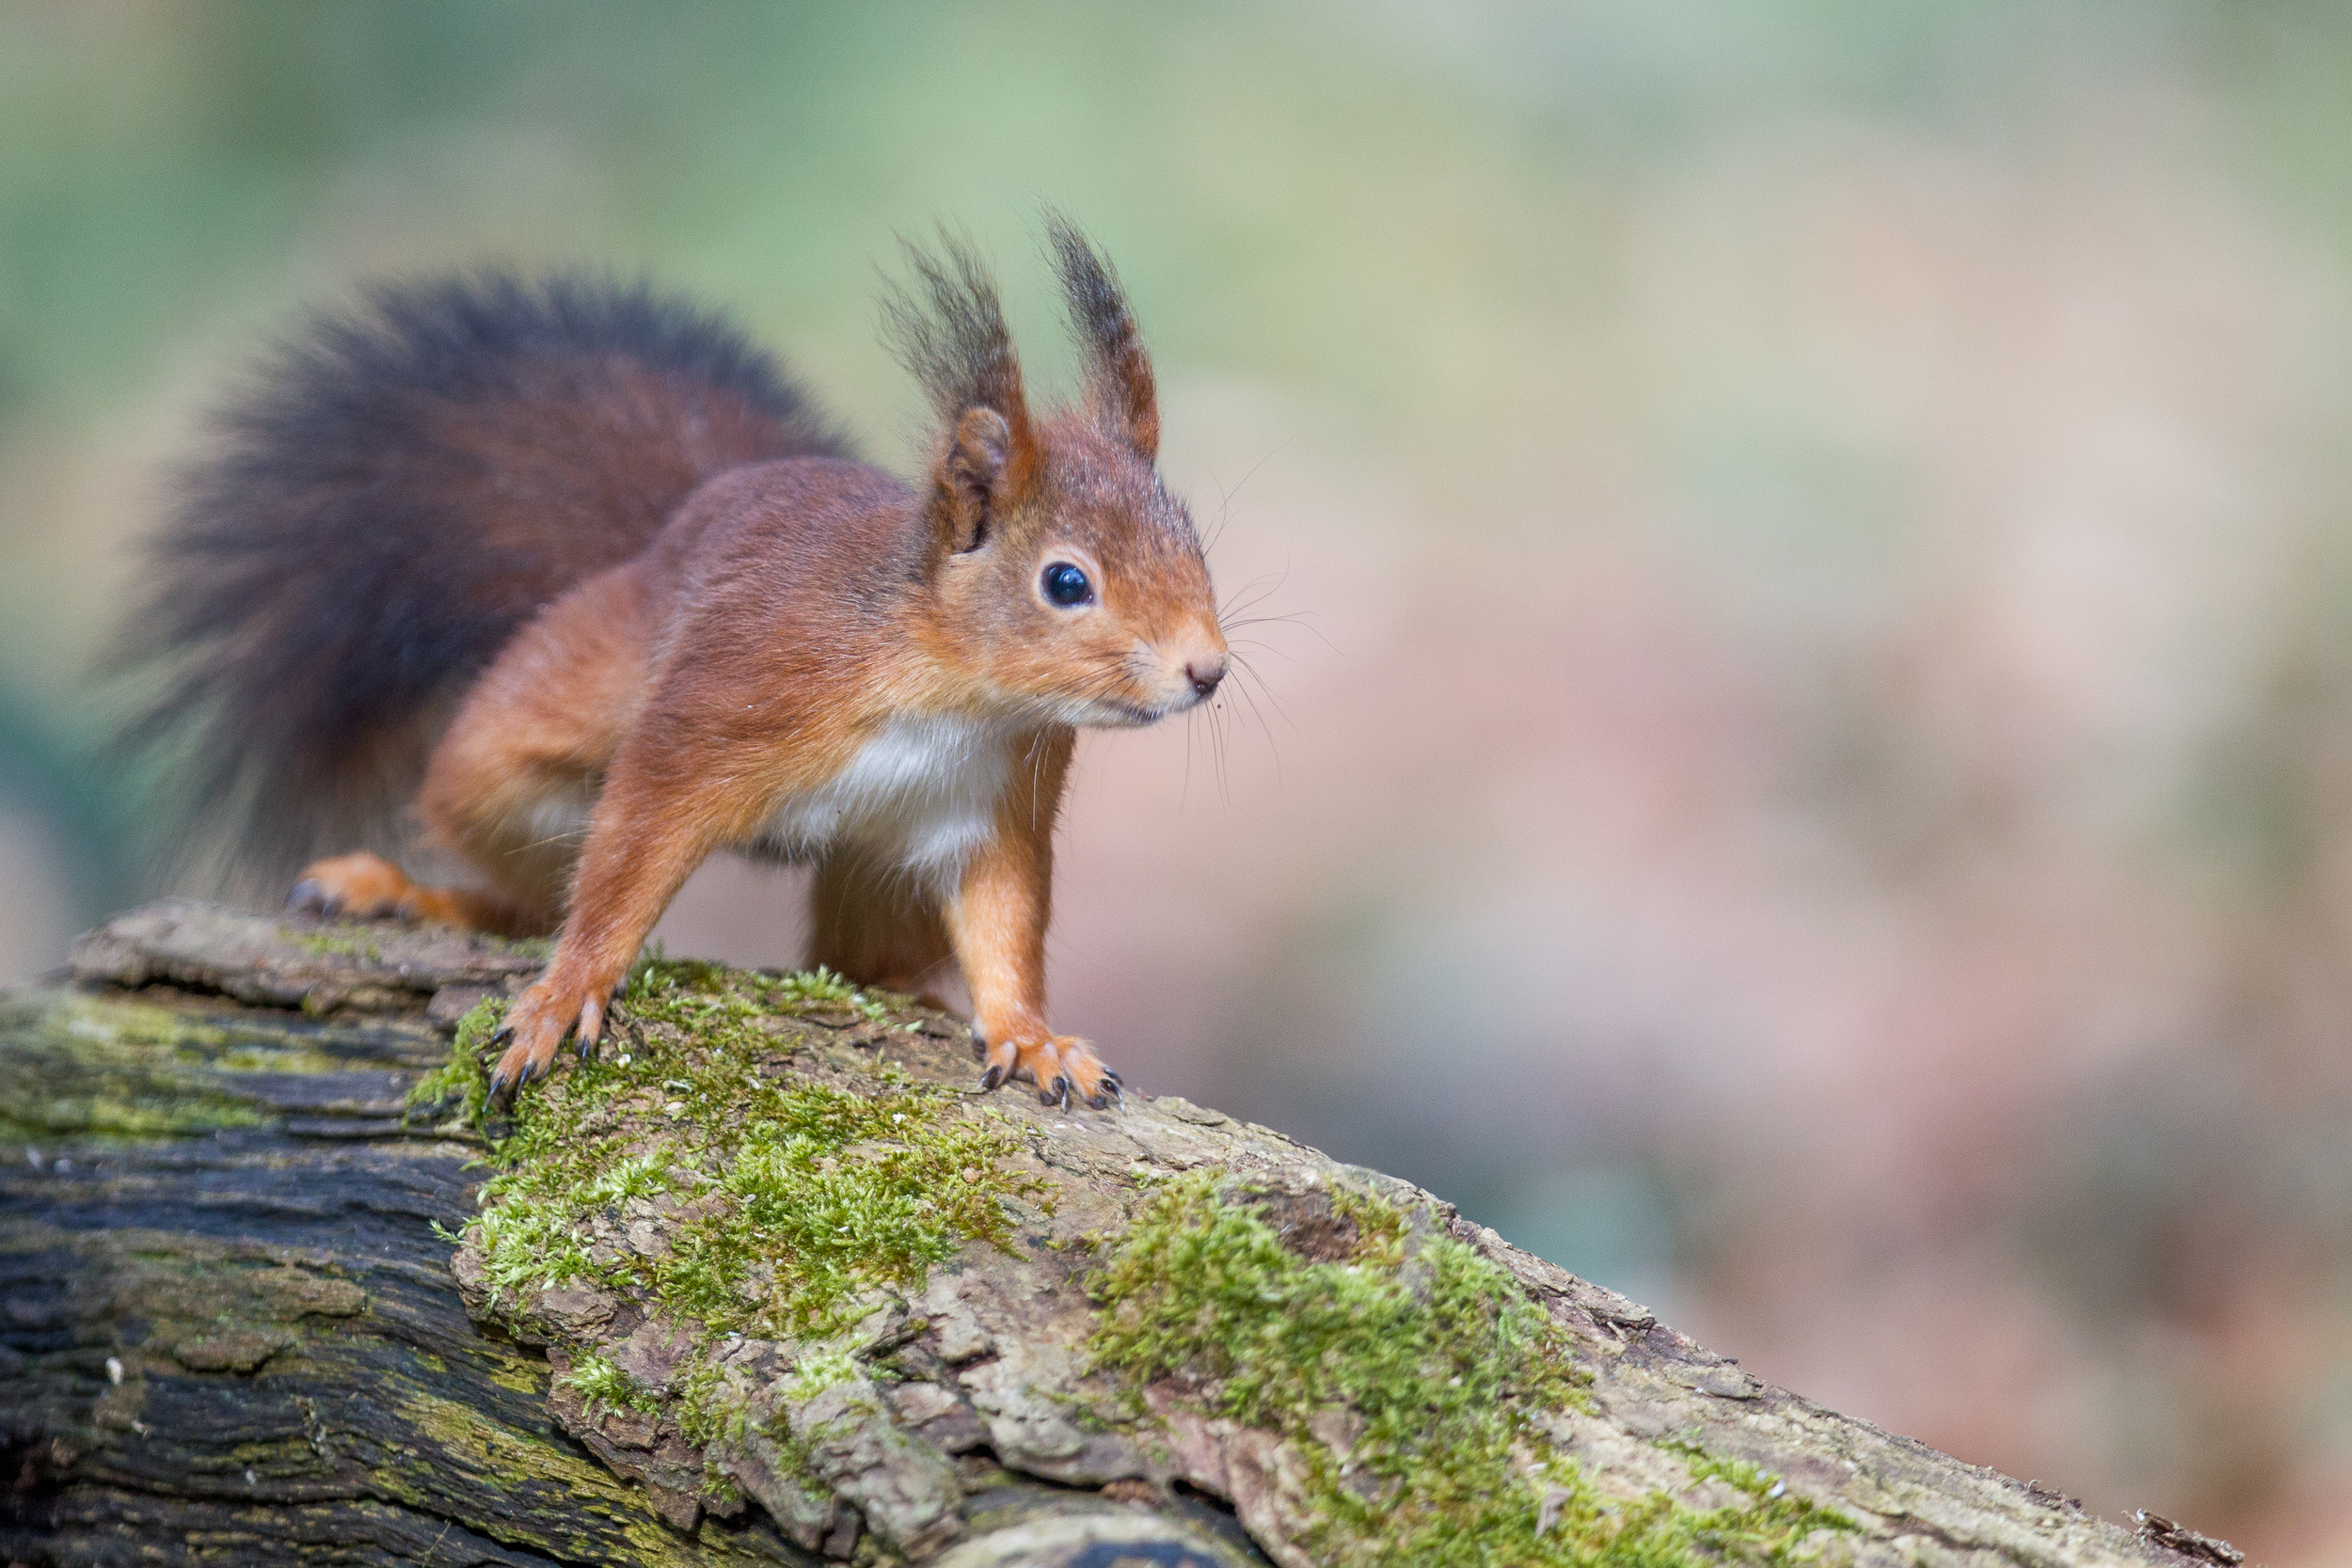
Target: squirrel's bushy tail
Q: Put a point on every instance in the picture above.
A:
(399, 490)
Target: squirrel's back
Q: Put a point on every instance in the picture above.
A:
(400, 490)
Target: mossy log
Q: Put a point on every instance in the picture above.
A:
(240, 1326)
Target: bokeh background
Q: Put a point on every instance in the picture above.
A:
(1800, 762)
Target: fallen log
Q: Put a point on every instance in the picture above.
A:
(763, 1284)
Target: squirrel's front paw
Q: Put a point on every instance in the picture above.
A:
(1060, 1066)
(535, 1026)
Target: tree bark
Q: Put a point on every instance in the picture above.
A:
(234, 1327)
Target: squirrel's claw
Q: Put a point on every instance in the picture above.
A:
(505, 1085)
(310, 897)
(500, 1089)
(1063, 1069)
(536, 1029)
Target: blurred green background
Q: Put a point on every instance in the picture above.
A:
(1805, 771)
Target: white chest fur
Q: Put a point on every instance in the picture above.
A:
(921, 794)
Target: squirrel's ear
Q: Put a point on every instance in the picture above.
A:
(950, 331)
(1119, 389)
(983, 474)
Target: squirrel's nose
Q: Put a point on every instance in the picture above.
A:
(1204, 675)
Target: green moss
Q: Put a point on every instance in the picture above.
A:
(818, 1372)
(1451, 1369)
(779, 1199)
(689, 991)
(462, 1081)
(705, 1408)
(603, 1386)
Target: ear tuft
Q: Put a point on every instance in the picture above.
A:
(948, 326)
(1120, 391)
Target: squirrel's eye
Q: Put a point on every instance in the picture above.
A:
(1066, 585)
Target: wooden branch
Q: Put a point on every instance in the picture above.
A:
(235, 1330)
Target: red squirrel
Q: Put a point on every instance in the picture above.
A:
(581, 569)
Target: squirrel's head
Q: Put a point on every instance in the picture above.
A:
(1069, 581)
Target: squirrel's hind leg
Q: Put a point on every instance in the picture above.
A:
(511, 784)
(369, 887)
